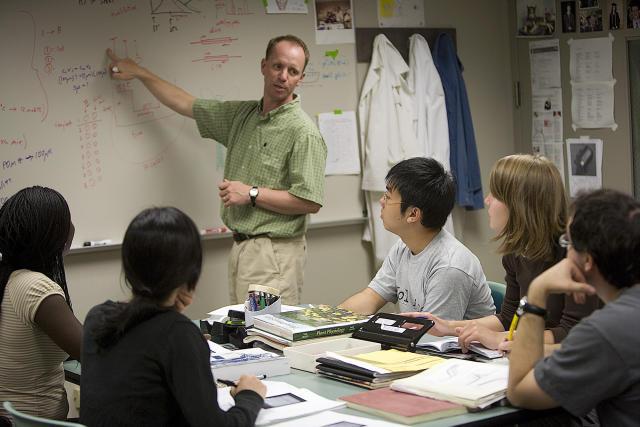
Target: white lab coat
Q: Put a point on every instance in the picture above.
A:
(387, 136)
(432, 128)
(430, 121)
(386, 115)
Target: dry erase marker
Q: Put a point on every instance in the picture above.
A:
(92, 243)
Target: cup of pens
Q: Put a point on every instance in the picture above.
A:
(261, 300)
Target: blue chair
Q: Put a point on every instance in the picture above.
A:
(24, 420)
(497, 293)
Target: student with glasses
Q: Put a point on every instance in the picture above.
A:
(427, 269)
(527, 211)
(598, 365)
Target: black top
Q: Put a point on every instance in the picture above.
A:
(562, 311)
(158, 374)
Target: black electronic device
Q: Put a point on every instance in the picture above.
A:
(394, 331)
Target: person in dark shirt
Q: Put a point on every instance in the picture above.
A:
(143, 362)
(528, 212)
(597, 365)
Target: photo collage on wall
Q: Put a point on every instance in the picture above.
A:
(538, 18)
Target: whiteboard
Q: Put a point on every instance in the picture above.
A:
(109, 147)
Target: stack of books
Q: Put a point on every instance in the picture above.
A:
(375, 369)
(231, 364)
(279, 343)
(309, 323)
(472, 384)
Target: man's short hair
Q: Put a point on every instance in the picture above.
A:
(423, 183)
(606, 225)
(291, 39)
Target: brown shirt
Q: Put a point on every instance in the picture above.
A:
(562, 311)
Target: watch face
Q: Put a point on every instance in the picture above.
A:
(253, 192)
(520, 309)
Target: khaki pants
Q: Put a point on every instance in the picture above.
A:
(278, 263)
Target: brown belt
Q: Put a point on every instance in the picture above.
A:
(241, 237)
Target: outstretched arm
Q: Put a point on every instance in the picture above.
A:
(170, 95)
(366, 301)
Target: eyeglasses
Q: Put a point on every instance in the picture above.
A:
(386, 198)
(564, 241)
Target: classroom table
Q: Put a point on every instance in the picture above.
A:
(331, 389)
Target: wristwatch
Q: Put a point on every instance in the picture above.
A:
(525, 307)
(253, 193)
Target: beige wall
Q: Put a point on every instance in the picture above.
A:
(339, 264)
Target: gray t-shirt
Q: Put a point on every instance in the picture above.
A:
(598, 365)
(445, 279)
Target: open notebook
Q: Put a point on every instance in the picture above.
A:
(472, 384)
(449, 344)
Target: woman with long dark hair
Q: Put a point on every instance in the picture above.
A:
(143, 362)
(38, 329)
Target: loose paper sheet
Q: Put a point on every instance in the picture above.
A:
(401, 13)
(544, 56)
(592, 83)
(286, 6)
(592, 105)
(341, 136)
(585, 164)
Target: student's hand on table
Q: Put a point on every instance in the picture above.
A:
(249, 382)
(474, 332)
(440, 328)
(122, 68)
(234, 193)
(183, 299)
(563, 278)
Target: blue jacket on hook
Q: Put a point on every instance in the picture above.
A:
(463, 153)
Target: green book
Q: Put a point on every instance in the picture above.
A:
(312, 322)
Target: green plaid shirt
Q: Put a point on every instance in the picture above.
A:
(282, 150)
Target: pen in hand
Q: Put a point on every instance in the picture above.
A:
(227, 382)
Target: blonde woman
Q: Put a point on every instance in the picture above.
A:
(528, 212)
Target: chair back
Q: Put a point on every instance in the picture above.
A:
(497, 293)
(23, 420)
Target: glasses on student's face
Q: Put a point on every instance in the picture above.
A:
(564, 241)
(386, 199)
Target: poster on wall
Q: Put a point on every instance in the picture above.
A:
(590, 17)
(585, 164)
(614, 16)
(633, 14)
(546, 101)
(568, 9)
(536, 18)
(401, 13)
(334, 22)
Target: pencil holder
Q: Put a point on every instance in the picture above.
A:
(261, 300)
